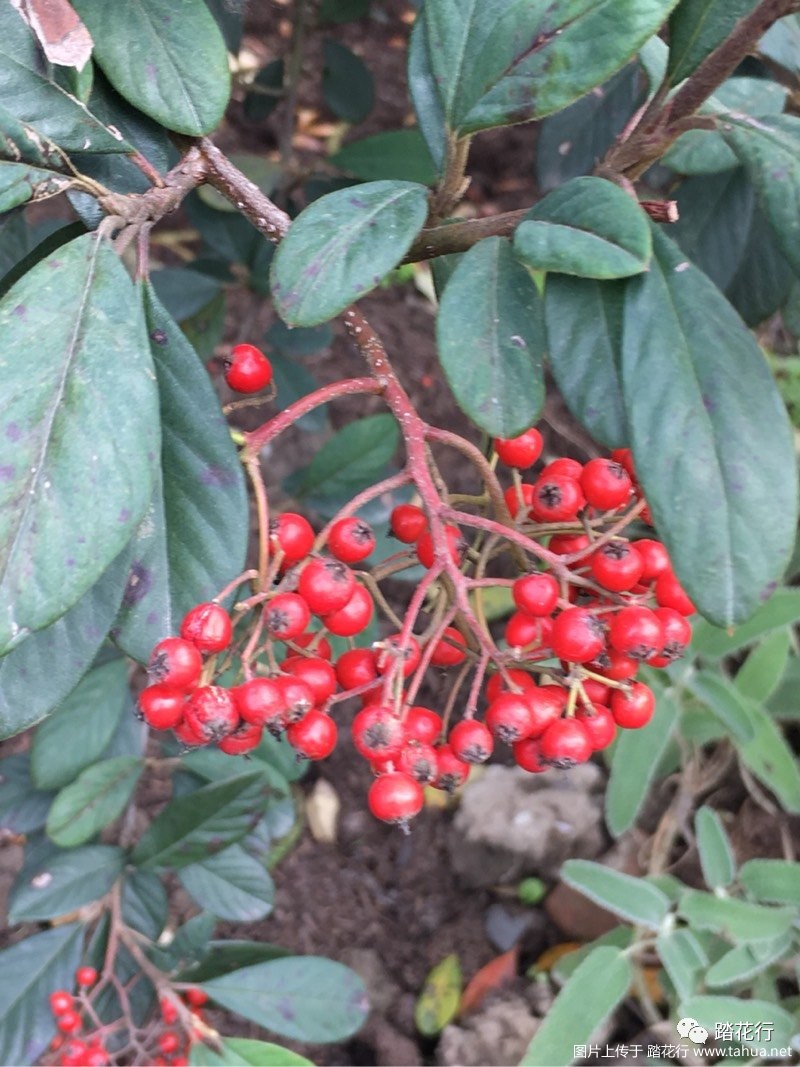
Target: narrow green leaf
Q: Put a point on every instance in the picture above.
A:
(684, 959)
(490, 336)
(713, 642)
(618, 937)
(716, 854)
(342, 246)
(776, 881)
(425, 94)
(588, 227)
(29, 972)
(93, 800)
(771, 759)
(632, 898)
(759, 1024)
(696, 28)
(737, 920)
(352, 458)
(347, 86)
(236, 1051)
(744, 962)
(67, 881)
(679, 331)
(760, 674)
(438, 1002)
(232, 885)
(400, 154)
(784, 703)
(720, 696)
(595, 989)
(91, 712)
(197, 826)
(84, 426)
(306, 998)
(169, 61)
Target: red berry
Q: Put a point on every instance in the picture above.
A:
(616, 566)
(408, 523)
(392, 652)
(243, 739)
(556, 498)
(169, 1013)
(314, 736)
(512, 499)
(208, 627)
(326, 585)
(568, 544)
(599, 724)
(196, 997)
(86, 976)
(356, 668)
(286, 616)
(187, 736)
(565, 743)
(546, 703)
(528, 756)
(454, 544)
(317, 673)
(419, 760)
(612, 664)
(321, 645)
(624, 457)
(176, 662)
(377, 732)
(96, 1057)
(60, 1001)
(671, 594)
(522, 451)
(565, 467)
(536, 594)
(354, 617)
(633, 707)
(636, 632)
(516, 679)
(395, 797)
(297, 695)
(595, 691)
(260, 702)
(422, 724)
(161, 707)
(449, 650)
(351, 540)
(509, 717)
(69, 1022)
(451, 772)
(471, 741)
(605, 484)
(677, 635)
(577, 635)
(291, 534)
(211, 712)
(168, 1042)
(526, 631)
(655, 558)
(247, 369)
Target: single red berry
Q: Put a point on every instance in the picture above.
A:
(451, 772)
(512, 680)
(96, 1057)
(633, 707)
(321, 645)
(314, 736)
(520, 452)
(599, 724)
(247, 369)
(449, 650)
(208, 627)
(243, 739)
(168, 1042)
(677, 635)
(354, 617)
(187, 736)
(408, 523)
(69, 1022)
(624, 457)
(317, 673)
(286, 616)
(509, 717)
(169, 1013)
(86, 976)
(605, 484)
(60, 1001)
(616, 566)
(536, 594)
(565, 743)
(176, 662)
(297, 695)
(577, 635)
(161, 707)
(655, 558)
(454, 545)
(568, 544)
(471, 741)
(564, 467)
(671, 594)
(377, 732)
(527, 631)
(612, 664)
(519, 500)
(196, 997)
(392, 652)
(422, 724)
(636, 632)
(528, 756)
(211, 712)
(326, 585)
(351, 540)
(556, 498)
(291, 534)
(596, 692)
(395, 797)
(260, 702)
(419, 760)
(356, 668)
(546, 703)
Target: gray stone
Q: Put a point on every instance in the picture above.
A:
(496, 1035)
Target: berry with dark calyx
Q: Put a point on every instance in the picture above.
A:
(605, 484)
(161, 707)
(395, 797)
(286, 616)
(195, 996)
(187, 736)
(243, 739)
(624, 457)
(613, 665)
(419, 760)
(377, 732)
(516, 509)
(536, 594)
(354, 617)
(86, 976)
(392, 652)
(556, 498)
(422, 724)
(351, 540)
(509, 717)
(527, 755)
(528, 631)
(260, 702)
(546, 703)
(69, 1022)
(577, 635)
(655, 558)
(565, 743)
(599, 724)
(449, 650)
(408, 523)
(208, 627)
(168, 1042)
(513, 679)
(175, 662)
(633, 707)
(317, 673)
(565, 467)
(211, 712)
(454, 544)
(471, 741)
(247, 369)
(521, 451)
(671, 594)
(355, 668)
(60, 1001)
(314, 736)
(616, 566)
(297, 695)
(677, 635)
(636, 632)
(326, 585)
(292, 534)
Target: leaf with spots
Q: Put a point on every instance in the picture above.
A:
(21, 183)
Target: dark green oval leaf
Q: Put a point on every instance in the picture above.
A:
(231, 885)
(346, 82)
(632, 898)
(425, 95)
(354, 457)
(145, 906)
(23, 807)
(19, 183)
(715, 213)
(64, 882)
(490, 335)
(342, 246)
(696, 28)
(93, 800)
(400, 154)
(737, 450)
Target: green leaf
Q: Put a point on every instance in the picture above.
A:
(293, 381)
(182, 292)
(243, 1050)
(400, 154)
(197, 826)
(352, 458)
(342, 246)
(592, 993)
(226, 956)
(771, 759)
(618, 937)
(720, 696)
(761, 672)
(587, 227)
(684, 959)
(745, 961)
(759, 1024)
(347, 86)
(306, 998)
(58, 656)
(716, 854)
(781, 43)
(36, 99)
(29, 972)
(295, 342)
(714, 223)
(497, 63)
(737, 920)
(777, 881)
(425, 95)
(21, 143)
(642, 749)
(696, 28)
(91, 712)
(170, 62)
(712, 642)
(784, 703)
(632, 898)
(66, 882)
(23, 807)
(189, 946)
(145, 906)
(681, 333)
(20, 183)
(95, 799)
(84, 427)
(584, 335)
(490, 336)
(232, 885)
(176, 562)
(343, 10)
(763, 278)
(438, 1002)
(266, 92)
